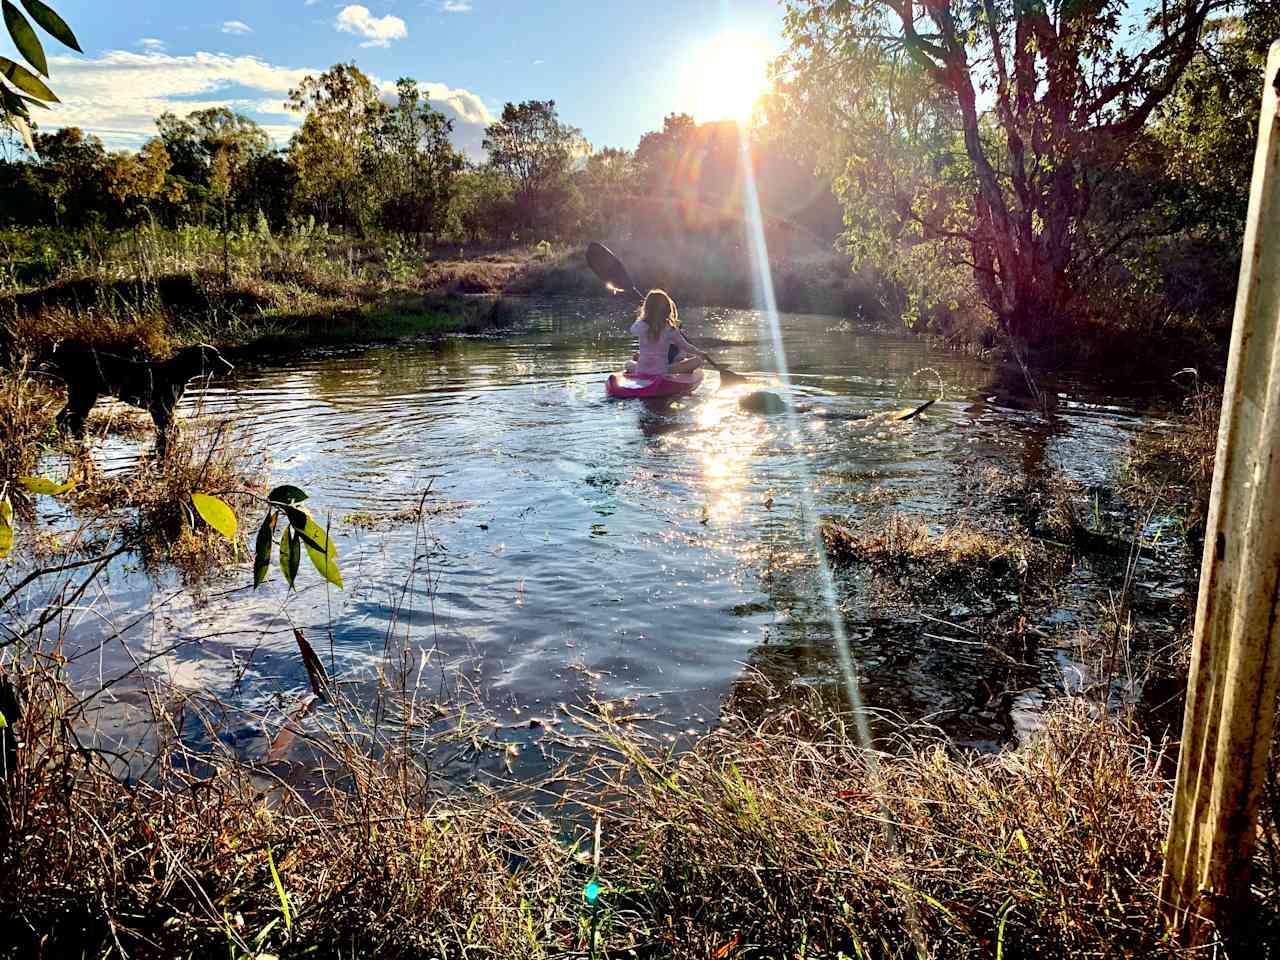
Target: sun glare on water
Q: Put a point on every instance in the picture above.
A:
(728, 76)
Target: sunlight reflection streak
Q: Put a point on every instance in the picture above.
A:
(725, 445)
(764, 288)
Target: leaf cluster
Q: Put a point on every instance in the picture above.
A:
(21, 87)
(300, 534)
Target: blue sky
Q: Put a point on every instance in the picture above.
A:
(615, 69)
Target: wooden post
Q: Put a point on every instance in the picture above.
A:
(1235, 664)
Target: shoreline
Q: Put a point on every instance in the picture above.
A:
(355, 296)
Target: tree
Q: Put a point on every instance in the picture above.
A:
(209, 152)
(532, 147)
(194, 142)
(71, 173)
(658, 153)
(608, 181)
(138, 181)
(332, 149)
(1003, 190)
(268, 185)
(19, 87)
(483, 207)
(1207, 130)
(418, 163)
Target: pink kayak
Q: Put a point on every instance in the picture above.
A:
(622, 385)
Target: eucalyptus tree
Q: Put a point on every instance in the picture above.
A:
(418, 163)
(608, 180)
(331, 153)
(536, 151)
(985, 130)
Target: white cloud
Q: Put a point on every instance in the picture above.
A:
(377, 31)
(151, 44)
(236, 27)
(467, 111)
(119, 95)
(456, 6)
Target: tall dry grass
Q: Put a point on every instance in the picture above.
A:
(152, 501)
(1177, 466)
(767, 839)
(27, 409)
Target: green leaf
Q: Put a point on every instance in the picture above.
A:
(44, 485)
(25, 80)
(286, 494)
(319, 545)
(6, 527)
(216, 514)
(262, 550)
(311, 532)
(280, 892)
(24, 38)
(325, 563)
(290, 555)
(44, 15)
(14, 112)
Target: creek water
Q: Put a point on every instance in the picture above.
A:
(579, 549)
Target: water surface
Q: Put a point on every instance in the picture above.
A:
(579, 549)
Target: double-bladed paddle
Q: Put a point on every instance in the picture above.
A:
(613, 273)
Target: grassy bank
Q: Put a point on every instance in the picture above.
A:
(150, 290)
(777, 835)
(771, 838)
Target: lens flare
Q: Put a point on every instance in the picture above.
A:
(728, 76)
(768, 304)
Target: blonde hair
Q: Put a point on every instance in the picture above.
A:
(659, 311)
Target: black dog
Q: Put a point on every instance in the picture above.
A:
(154, 385)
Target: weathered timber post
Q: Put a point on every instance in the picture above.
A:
(1235, 664)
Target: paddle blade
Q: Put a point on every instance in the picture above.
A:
(910, 414)
(611, 270)
(730, 379)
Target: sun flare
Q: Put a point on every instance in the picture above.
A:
(728, 76)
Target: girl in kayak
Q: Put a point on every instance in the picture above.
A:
(663, 350)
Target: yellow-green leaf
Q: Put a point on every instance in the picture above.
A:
(25, 80)
(325, 563)
(311, 532)
(20, 124)
(46, 486)
(319, 545)
(24, 38)
(216, 514)
(6, 527)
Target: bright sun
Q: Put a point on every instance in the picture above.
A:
(727, 76)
